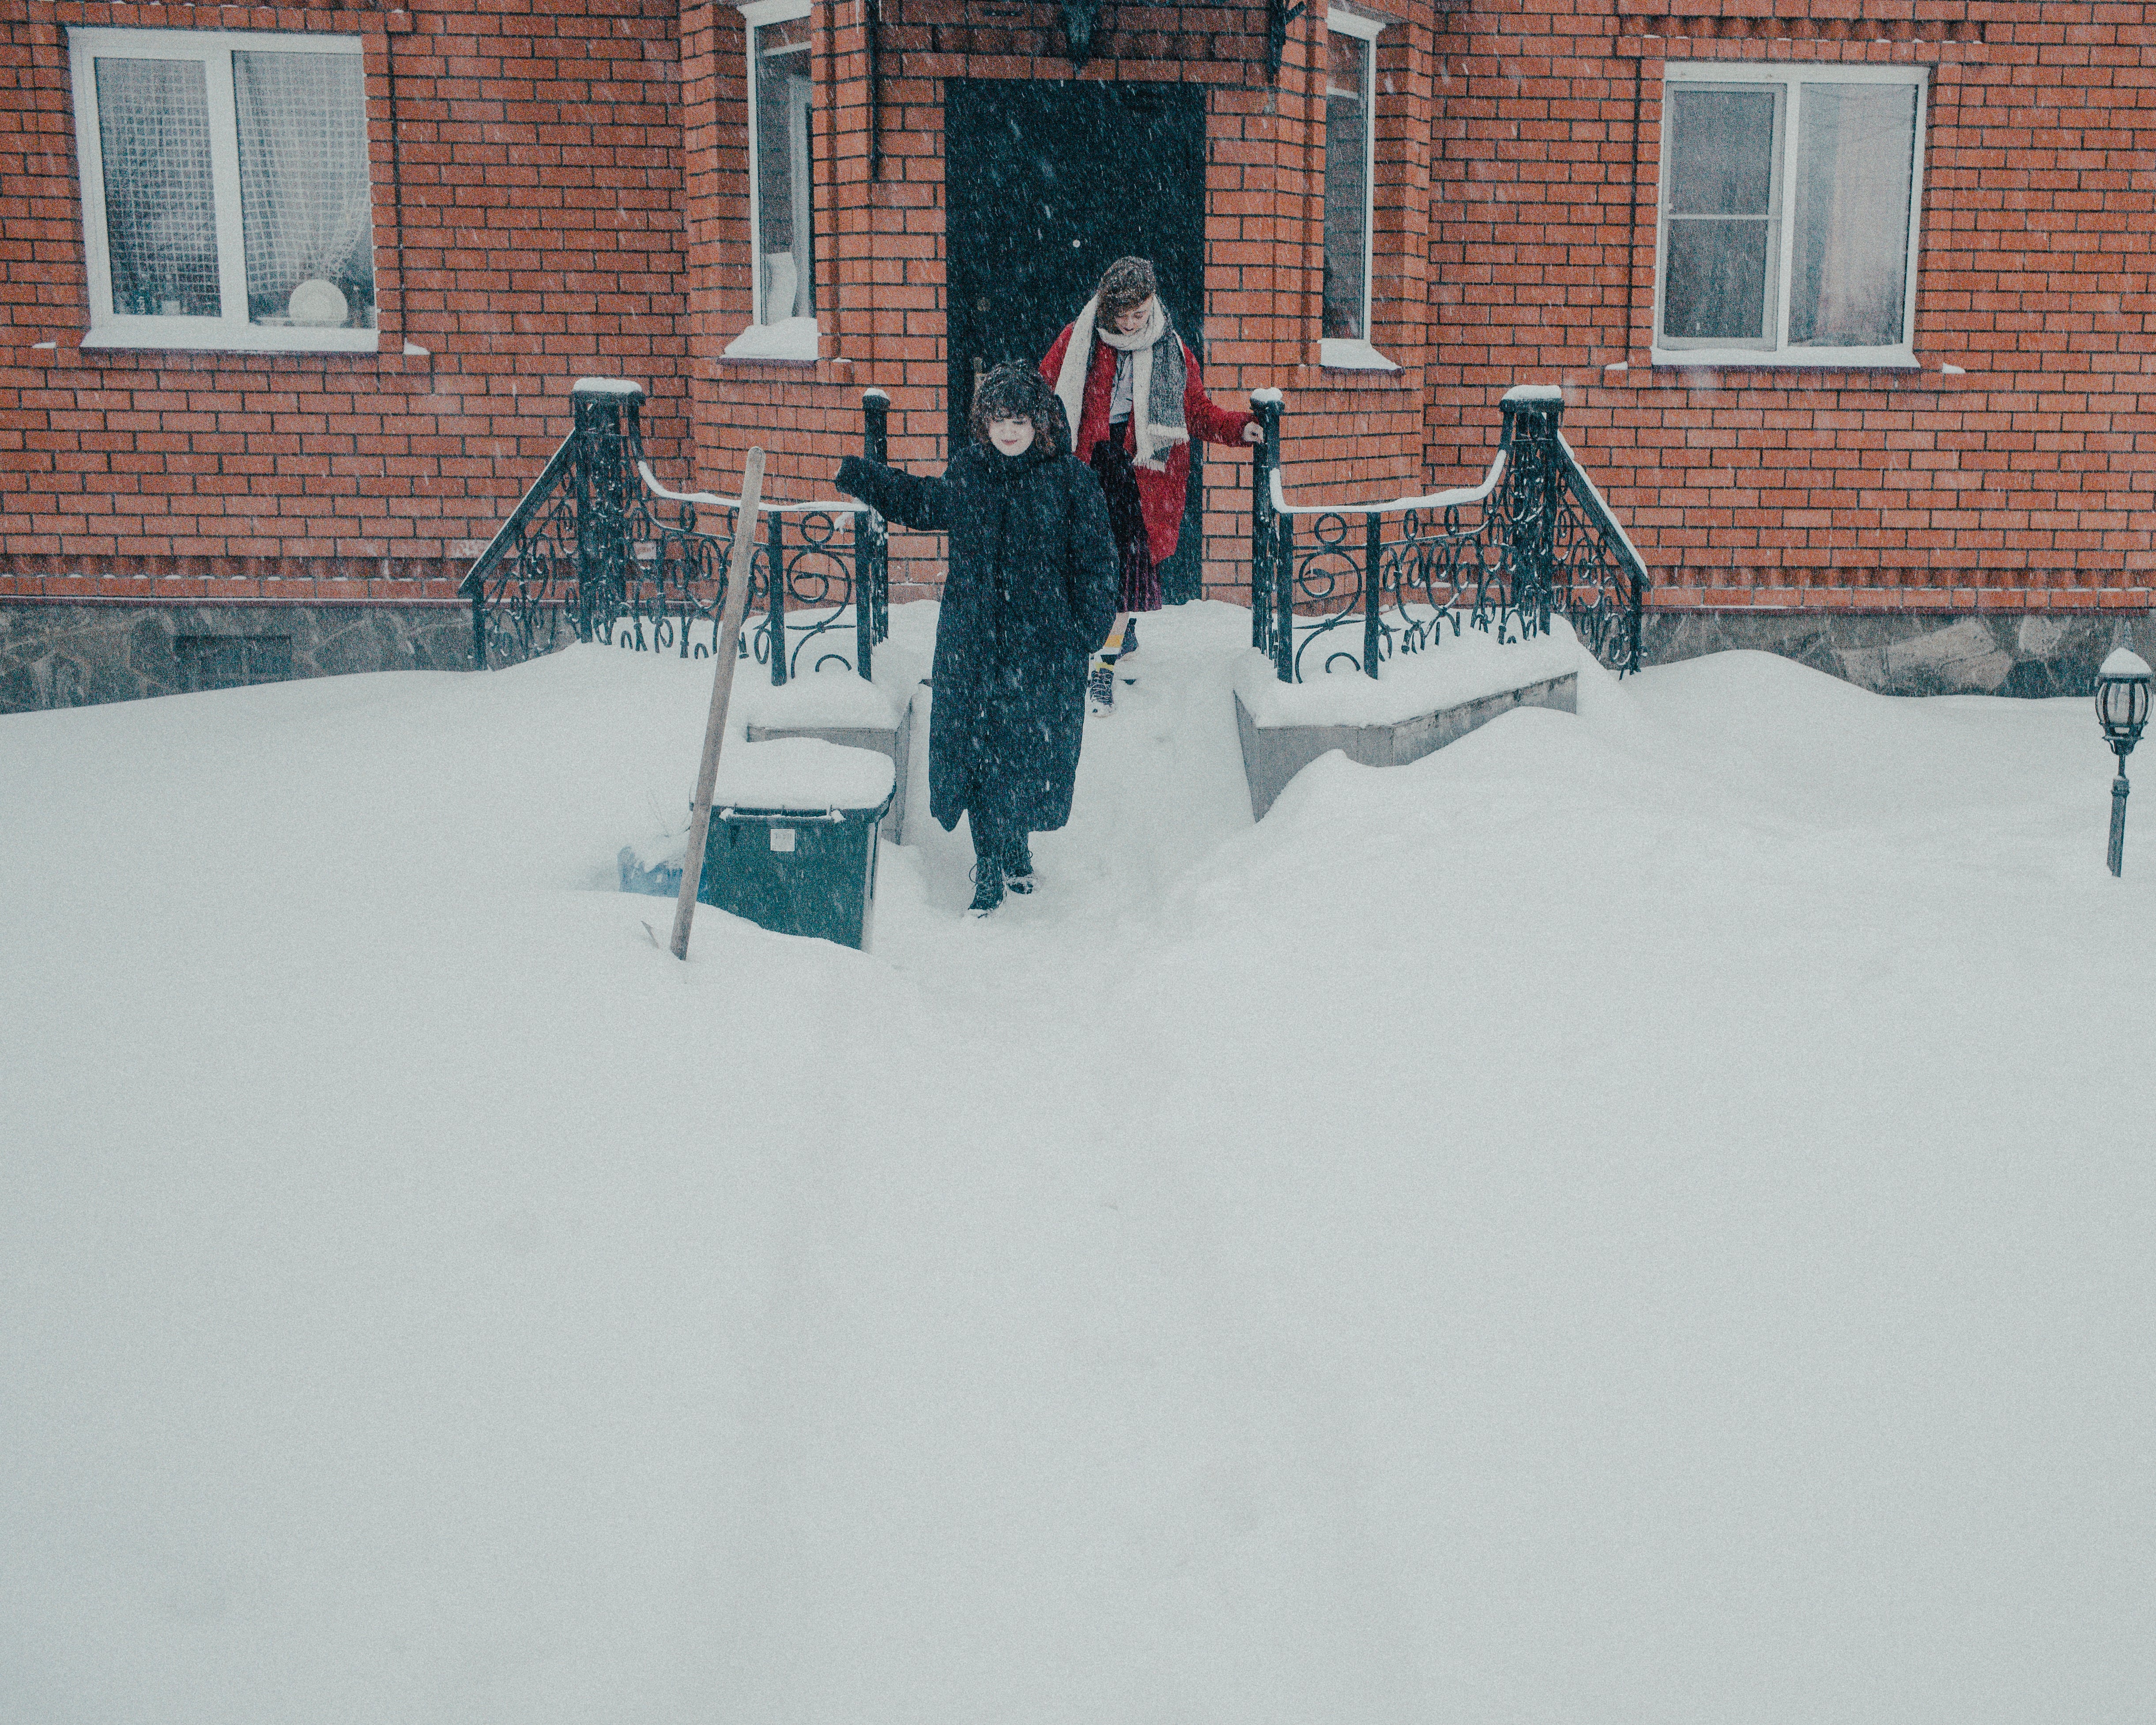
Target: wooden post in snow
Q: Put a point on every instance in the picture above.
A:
(723, 688)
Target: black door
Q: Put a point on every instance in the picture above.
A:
(1047, 184)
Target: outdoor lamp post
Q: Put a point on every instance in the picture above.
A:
(2122, 708)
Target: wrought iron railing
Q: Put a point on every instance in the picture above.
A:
(1534, 540)
(599, 550)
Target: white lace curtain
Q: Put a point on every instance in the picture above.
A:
(160, 201)
(303, 177)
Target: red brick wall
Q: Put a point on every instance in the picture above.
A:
(805, 417)
(881, 268)
(535, 237)
(564, 191)
(2021, 481)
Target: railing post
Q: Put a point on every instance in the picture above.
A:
(1267, 404)
(478, 626)
(1374, 535)
(1283, 597)
(776, 550)
(871, 543)
(1531, 416)
(599, 488)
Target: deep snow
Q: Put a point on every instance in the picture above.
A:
(1642, 1217)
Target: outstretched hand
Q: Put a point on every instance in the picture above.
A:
(1254, 432)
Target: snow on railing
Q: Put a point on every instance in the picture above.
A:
(1459, 497)
(767, 506)
(600, 549)
(1534, 538)
(1576, 471)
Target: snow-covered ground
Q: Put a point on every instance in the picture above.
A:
(1643, 1217)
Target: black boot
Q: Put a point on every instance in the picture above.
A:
(1017, 866)
(988, 889)
(989, 851)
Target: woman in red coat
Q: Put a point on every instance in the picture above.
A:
(1135, 399)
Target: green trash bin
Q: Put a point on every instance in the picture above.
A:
(793, 840)
(806, 871)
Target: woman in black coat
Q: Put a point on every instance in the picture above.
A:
(1030, 593)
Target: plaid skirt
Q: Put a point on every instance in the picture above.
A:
(1139, 589)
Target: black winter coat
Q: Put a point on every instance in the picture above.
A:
(1030, 593)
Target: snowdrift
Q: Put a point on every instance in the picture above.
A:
(1636, 1217)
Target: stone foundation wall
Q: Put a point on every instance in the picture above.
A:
(57, 654)
(74, 656)
(1997, 653)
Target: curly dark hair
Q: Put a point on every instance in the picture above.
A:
(1127, 283)
(1014, 390)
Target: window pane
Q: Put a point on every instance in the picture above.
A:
(304, 194)
(1856, 165)
(1347, 186)
(1714, 280)
(1722, 152)
(785, 244)
(160, 209)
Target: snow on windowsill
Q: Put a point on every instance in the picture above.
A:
(1832, 359)
(791, 339)
(186, 334)
(1460, 668)
(1337, 354)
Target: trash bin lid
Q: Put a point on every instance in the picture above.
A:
(804, 773)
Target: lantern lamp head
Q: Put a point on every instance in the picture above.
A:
(2121, 696)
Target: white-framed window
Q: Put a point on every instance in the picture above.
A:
(1350, 44)
(226, 196)
(780, 207)
(1791, 198)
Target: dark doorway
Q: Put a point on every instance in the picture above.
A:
(1045, 185)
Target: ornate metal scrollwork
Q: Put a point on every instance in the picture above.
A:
(1535, 540)
(597, 551)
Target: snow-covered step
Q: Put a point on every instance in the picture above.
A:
(874, 730)
(1423, 702)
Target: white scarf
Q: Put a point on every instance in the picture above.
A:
(1157, 424)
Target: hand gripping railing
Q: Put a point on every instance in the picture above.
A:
(599, 550)
(1532, 540)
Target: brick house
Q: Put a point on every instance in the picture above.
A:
(1850, 300)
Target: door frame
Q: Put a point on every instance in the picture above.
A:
(970, 103)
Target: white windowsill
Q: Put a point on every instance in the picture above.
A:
(1844, 359)
(203, 335)
(1336, 355)
(791, 341)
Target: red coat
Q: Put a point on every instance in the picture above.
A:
(1161, 492)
